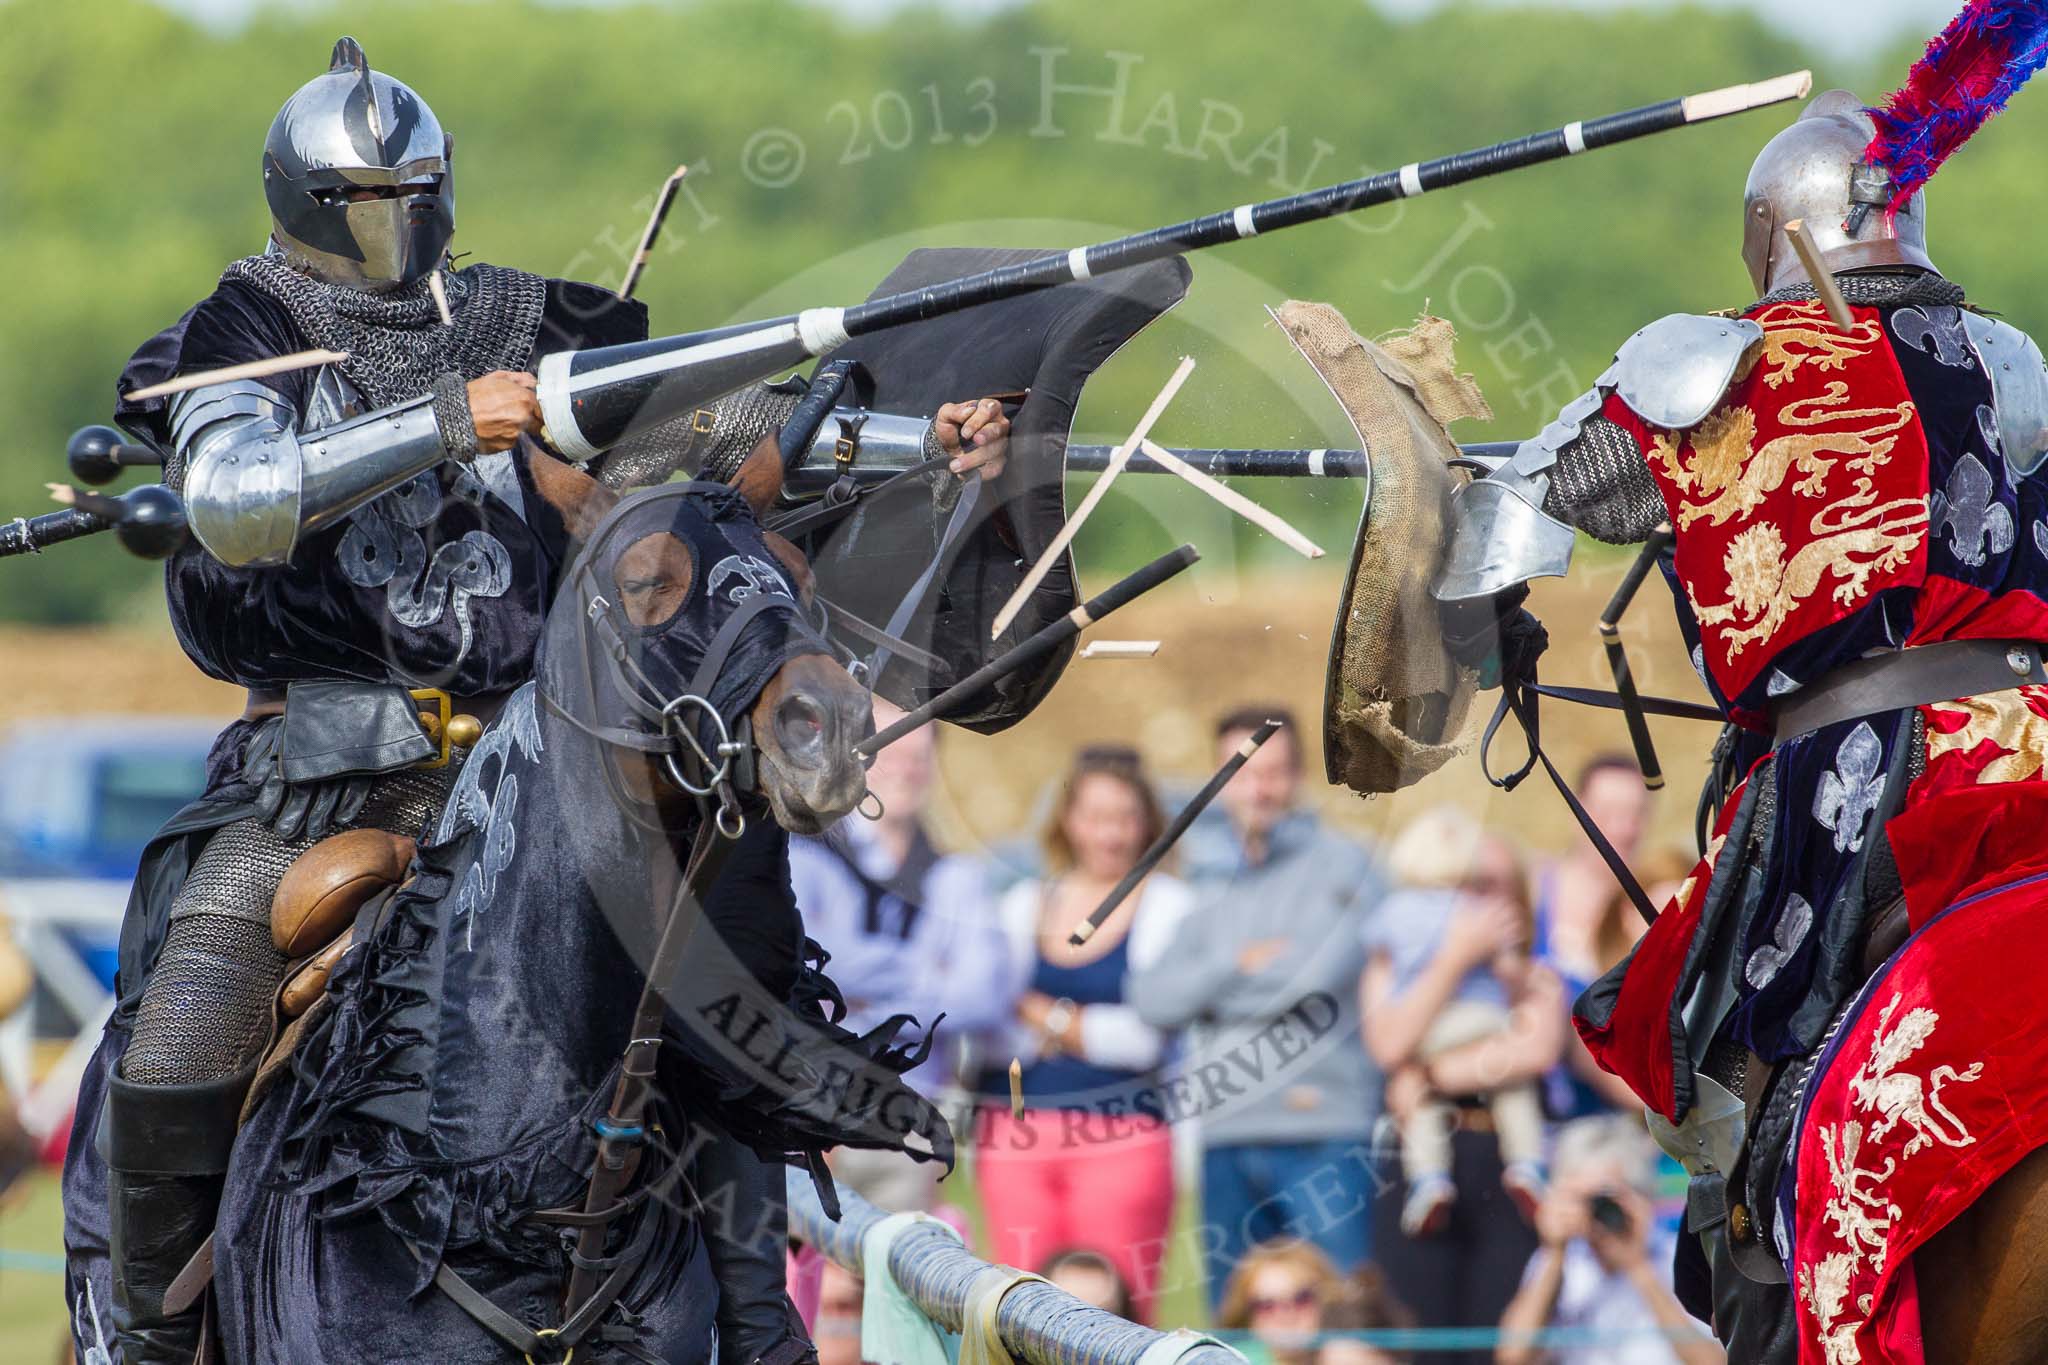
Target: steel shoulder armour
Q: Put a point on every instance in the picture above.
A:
(253, 485)
(1672, 374)
(2019, 390)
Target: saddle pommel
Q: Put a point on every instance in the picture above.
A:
(320, 893)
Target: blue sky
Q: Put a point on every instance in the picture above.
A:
(1840, 29)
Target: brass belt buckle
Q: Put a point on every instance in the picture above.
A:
(435, 723)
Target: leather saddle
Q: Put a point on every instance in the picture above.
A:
(313, 915)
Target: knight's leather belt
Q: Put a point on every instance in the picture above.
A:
(269, 701)
(1910, 677)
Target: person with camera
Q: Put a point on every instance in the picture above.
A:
(1597, 1292)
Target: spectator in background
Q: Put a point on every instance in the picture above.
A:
(1597, 1274)
(911, 931)
(1275, 1298)
(1080, 1168)
(1090, 1277)
(1464, 1274)
(1446, 866)
(836, 1331)
(1366, 1304)
(1573, 893)
(1263, 977)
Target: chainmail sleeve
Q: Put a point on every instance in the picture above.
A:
(1602, 486)
(710, 443)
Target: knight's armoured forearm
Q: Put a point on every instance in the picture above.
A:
(253, 486)
(709, 443)
(713, 442)
(1585, 471)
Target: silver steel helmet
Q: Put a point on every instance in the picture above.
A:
(1814, 171)
(355, 129)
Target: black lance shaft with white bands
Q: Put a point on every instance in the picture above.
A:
(27, 535)
(1617, 657)
(1045, 641)
(591, 399)
(1163, 845)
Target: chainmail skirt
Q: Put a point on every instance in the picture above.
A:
(205, 1012)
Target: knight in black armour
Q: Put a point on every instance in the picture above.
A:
(369, 553)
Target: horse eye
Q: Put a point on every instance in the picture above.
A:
(637, 586)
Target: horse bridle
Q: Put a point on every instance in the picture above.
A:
(717, 775)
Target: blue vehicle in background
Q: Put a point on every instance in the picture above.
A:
(79, 801)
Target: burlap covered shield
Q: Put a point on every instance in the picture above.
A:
(1394, 702)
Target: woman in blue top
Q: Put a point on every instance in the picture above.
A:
(1090, 1162)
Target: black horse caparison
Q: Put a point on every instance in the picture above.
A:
(450, 1094)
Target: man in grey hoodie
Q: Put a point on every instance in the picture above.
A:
(1263, 977)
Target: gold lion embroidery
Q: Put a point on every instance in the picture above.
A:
(2005, 719)
(1765, 584)
(1726, 467)
(1799, 334)
(1858, 1210)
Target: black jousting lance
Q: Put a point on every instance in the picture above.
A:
(1048, 638)
(149, 521)
(591, 399)
(1163, 845)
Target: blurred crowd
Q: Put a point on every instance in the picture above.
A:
(1335, 1080)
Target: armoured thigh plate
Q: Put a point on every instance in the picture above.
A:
(2019, 390)
(1504, 527)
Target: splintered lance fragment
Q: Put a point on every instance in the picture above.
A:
(1166, 841)
(440, 293)
(663, 198)
(1817, 272)
(1237, 502)
(1048, 638)
(1118, 458)
(1016, 1089)
(254, 369)
(1119, 649)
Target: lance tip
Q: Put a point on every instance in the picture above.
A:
(1736, 99)
(1016, 1088)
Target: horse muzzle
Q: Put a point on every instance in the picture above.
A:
(806, 724)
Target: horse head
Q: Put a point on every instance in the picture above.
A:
(683, 634)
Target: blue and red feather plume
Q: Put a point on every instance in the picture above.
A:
(1985, 54)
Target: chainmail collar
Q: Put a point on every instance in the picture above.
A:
(1874, 289)
(396, 341)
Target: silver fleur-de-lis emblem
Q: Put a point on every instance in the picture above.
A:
(1794, 921)
(1978, 524)
(1780, 684)
(1937, 330)
(1851, 792)
(2041, 538)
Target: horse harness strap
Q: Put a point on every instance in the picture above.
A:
(622, 1132)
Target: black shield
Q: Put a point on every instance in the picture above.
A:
(893, 561)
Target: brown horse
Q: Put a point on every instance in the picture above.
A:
(1983, 1279)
